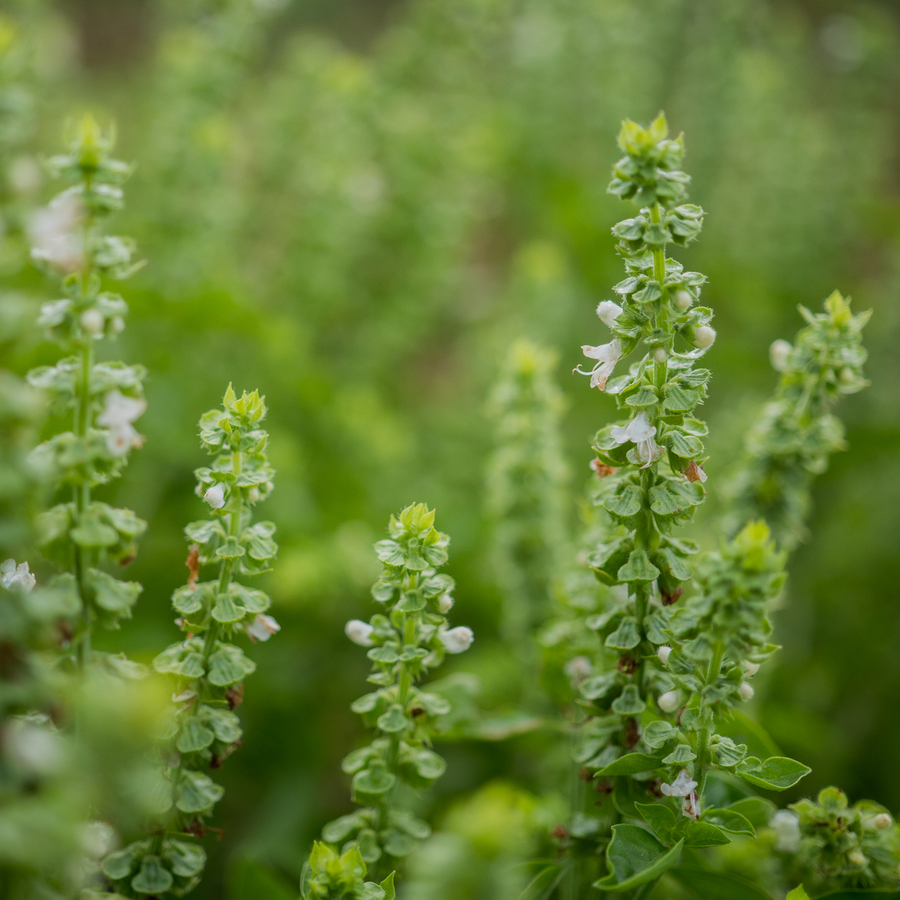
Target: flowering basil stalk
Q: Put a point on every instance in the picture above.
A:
(796, 432)
(209, 668)
(651, 765)
(104, 398)
(409, 639)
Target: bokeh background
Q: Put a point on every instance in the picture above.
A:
(355, 206)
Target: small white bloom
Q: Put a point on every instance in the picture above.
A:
(663, 653)
(359, 632)
(16, 576)
(457, 640)
(607, 355)
(668, 702)
(882, 821)
(750, 668)
(253, 494)
(746, 691)
(215, 496)
(660, 355)
(691, 806)
(445, 603)
(682, 786)
(92, 321)
(779, 354)
(578, 668)
(609, 312)
(116, 325)
(97, 839)
(641, 433)
(683, 300)
(184, 696)
(118, 414)
(53, 231)
(786, 826)
(704, 336)
(24, 175)
(35, 748)
(262, 628)
(857, 857)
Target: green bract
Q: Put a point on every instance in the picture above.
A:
(406, 641)
(209, 669)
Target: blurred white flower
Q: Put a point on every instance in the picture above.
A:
(92, 322)
(35, 748)
(16, 576)
(746, 691)
(780, 354)
(786, 826)
(445, 603)
(118, 414)
(681, 786)
(215, 496)
(750, 668)
(663, 653)
(54, 233)
(457, 640)
(607, 355)
(262, 628)
(668, 702)
(359, 632)
(683, 300)
(608, 312)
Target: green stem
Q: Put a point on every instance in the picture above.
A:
(712, 673)
(83, 501)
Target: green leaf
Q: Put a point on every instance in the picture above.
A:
(189, 598)
(152, 878)
(193, 736)
(626, 636)
(729, 820)
(757, 810)
(231, 549)
(635, 857)
(629, 702)
(777, 773)
(799, 893)
(705, 885)
(398, 844)
(185, 860)
(681, 754)
(630, 764)
(92, 534)
(638, 568)
(659, 816)
(228, 665)
(388, 887)
(625, 502)
(226, 610)
(664, 501)
(374, 780)
(394, 720)
(118, 866)
(338, 830)
(390, 552)
(224, 723)
(704, 834)
(679, 399)
(658, 733)
(197, 792)
(112, 595)
(684, 445)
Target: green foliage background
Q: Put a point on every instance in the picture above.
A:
(357, 207)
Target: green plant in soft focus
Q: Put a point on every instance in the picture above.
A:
(209, 668)
(525, 499)
(103, 398)
(409, 639)
(796, 433)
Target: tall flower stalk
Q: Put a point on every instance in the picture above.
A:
(796, 432)
(410, 638)
(650, 741)
(103, 398)
(209, 668)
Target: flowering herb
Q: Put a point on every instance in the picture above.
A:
(104, 398)
(209, 668)
(410, 638)
(651, 765)
(796, 432)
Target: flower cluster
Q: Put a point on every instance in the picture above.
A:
(209, 668)
(104, 399)
(332, 875)
(796, 432)
(830, 844)
(405, 642)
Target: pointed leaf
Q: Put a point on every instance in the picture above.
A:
(635, 857)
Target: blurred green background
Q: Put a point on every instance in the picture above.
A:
(355, 206)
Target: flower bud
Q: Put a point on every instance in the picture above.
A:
(253, 494)
(779, 354)
(609, 312)
(882, 821)
(750, 668)
(578, 668)
(704, 336)
(359, 632)
(857, 858)
(660, 355)
(262, 628)
(457, 640)
(92, 322)
(663, 653)
(215, 496)
(745, 691)
(445, 603)
(668, 702)
(683, 300)
(116, 325)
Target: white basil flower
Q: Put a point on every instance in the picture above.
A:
(640, 432)
(215, 496)
(682, 786)
(445, 603)
(92, 322)
(750, 668)
(786, 826)
(668, 702)
(457, 640)
(663, 653)
(704, 336)
(745, 691)
(55, 236)
(609, 312)
(262, 628)
(607, 355)
(359, 632)
(16, 576)
(779, 354)
(118, 414)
